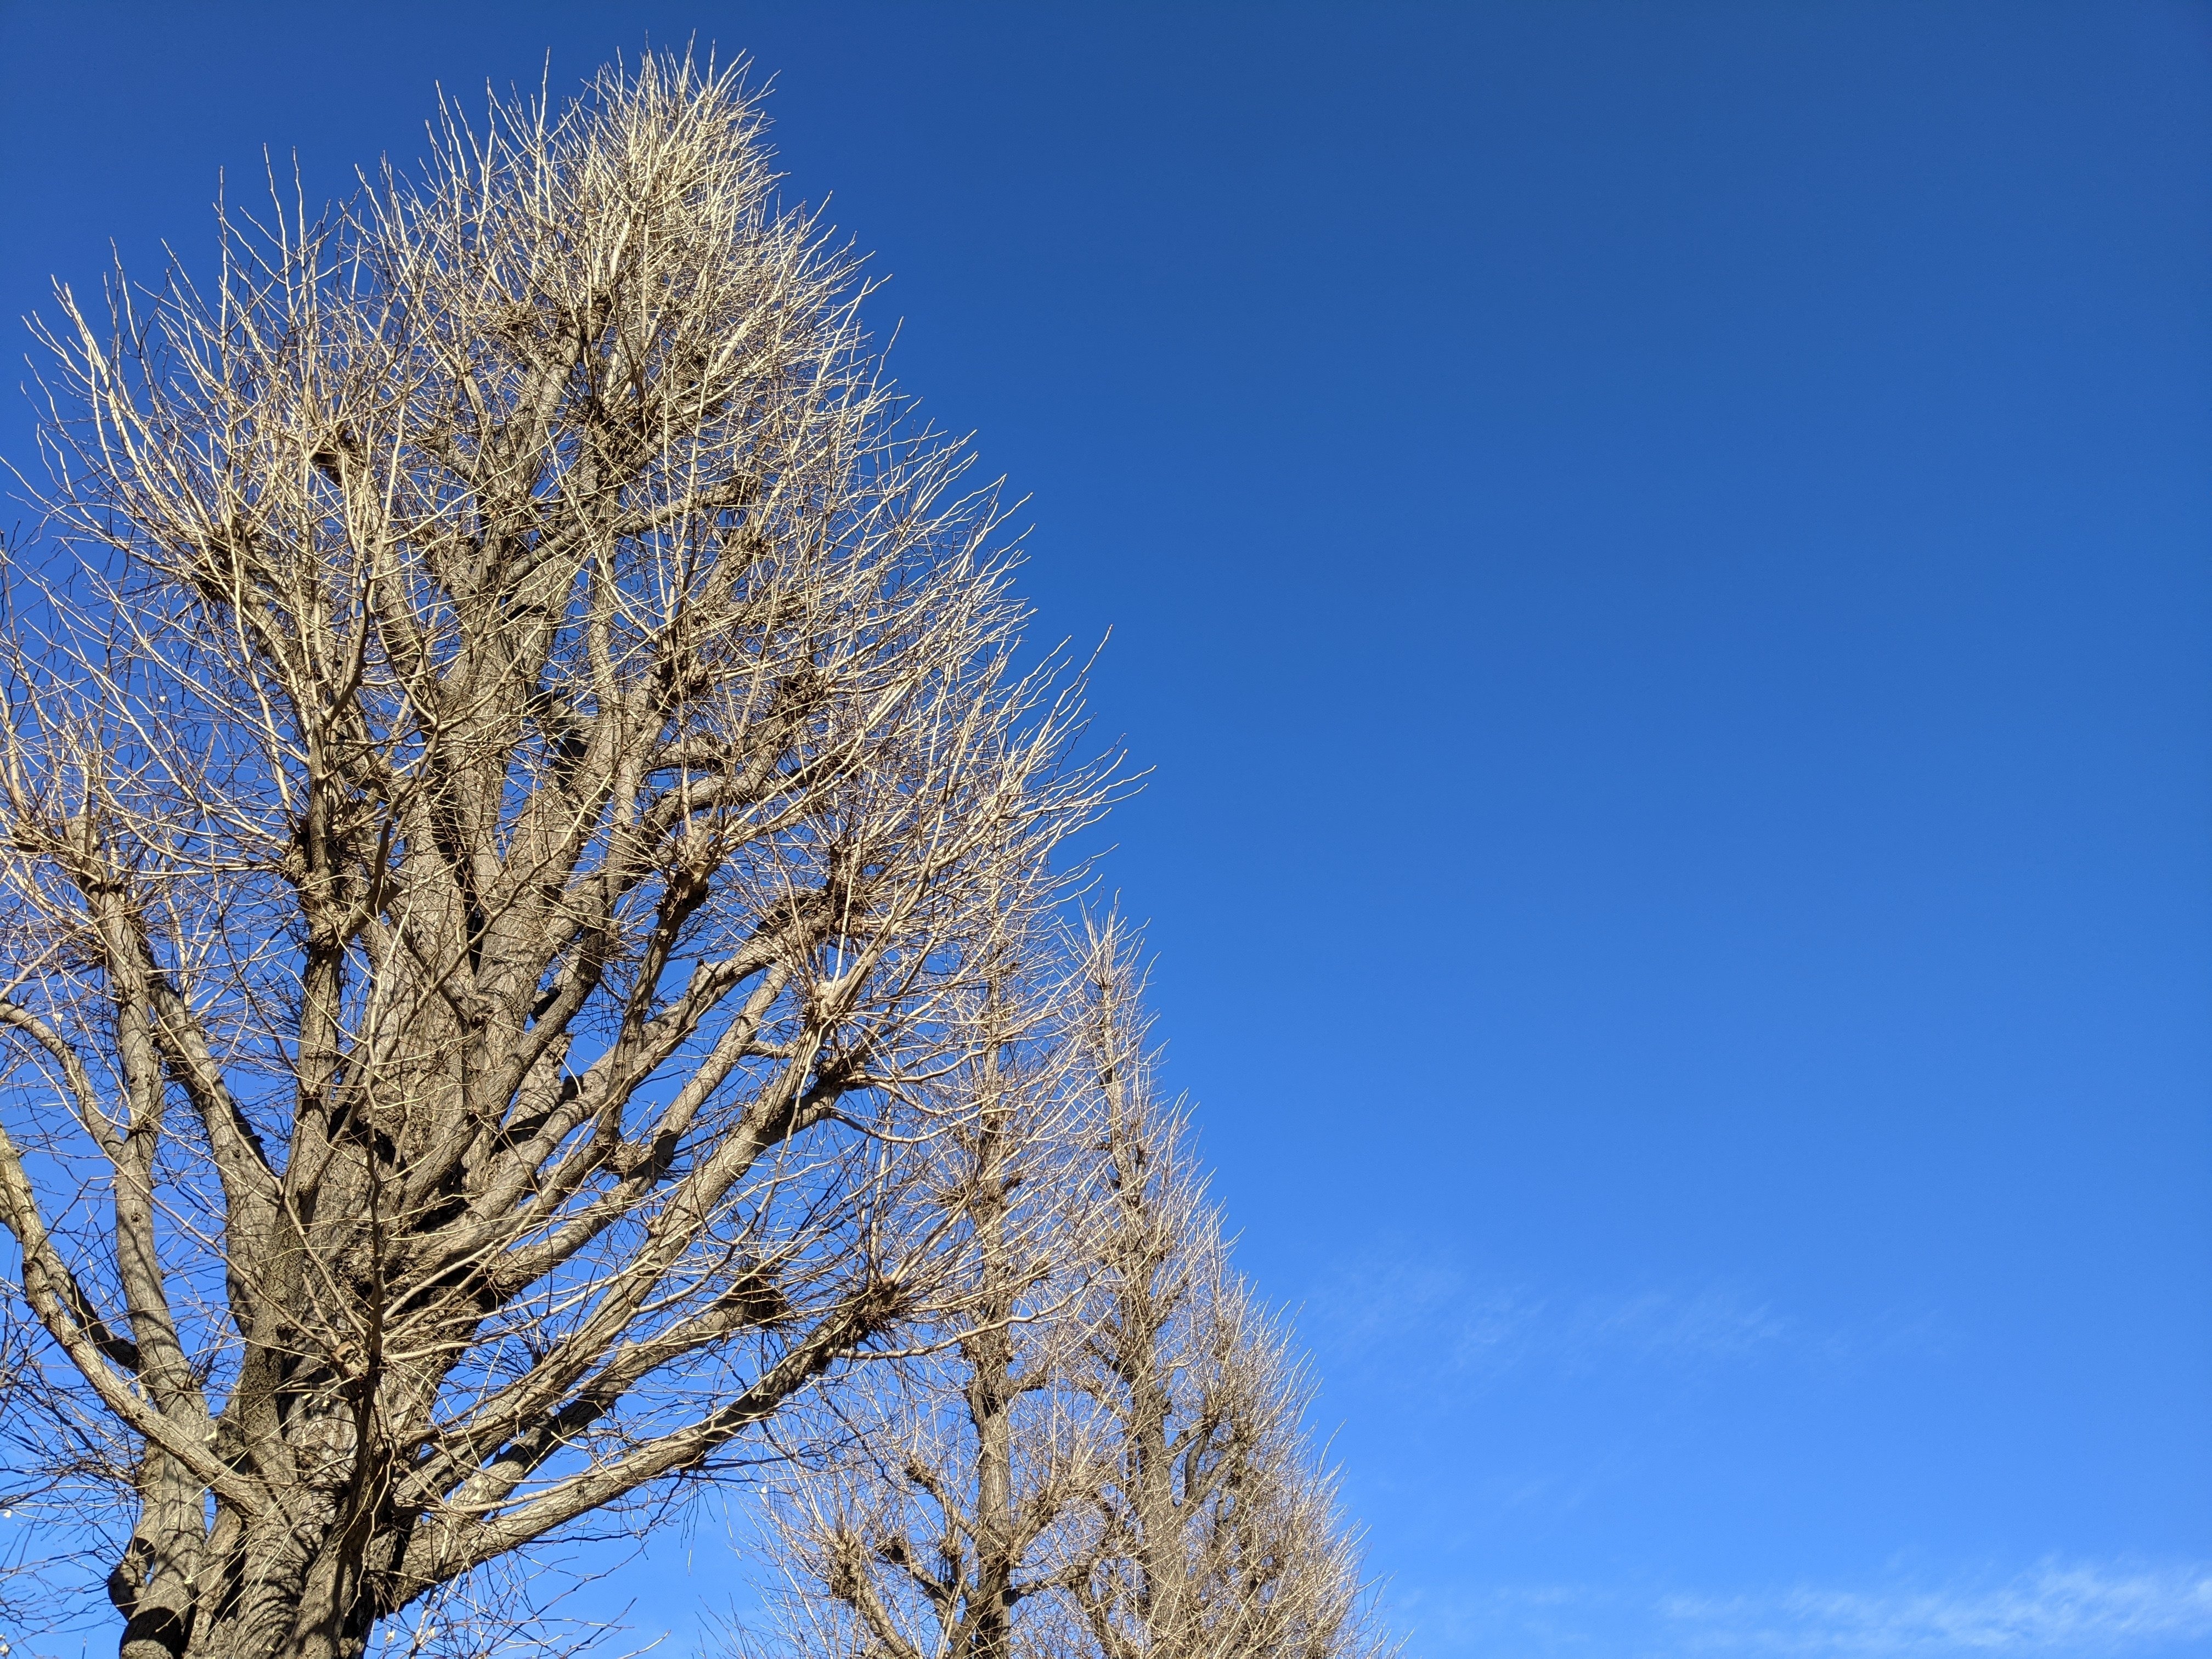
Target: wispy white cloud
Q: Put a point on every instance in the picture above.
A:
(2057, 1609)
(1400, 1306)
(1715, 1322)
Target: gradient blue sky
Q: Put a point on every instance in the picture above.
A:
(1659, 554)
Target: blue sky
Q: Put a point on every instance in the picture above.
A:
(1659, 557)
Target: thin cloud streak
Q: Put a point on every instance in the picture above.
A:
(1402, 1312)
(2057, 1610)
(2067, 1610)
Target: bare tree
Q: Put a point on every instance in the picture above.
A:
(501, 833)
(947, 1507)
(1219, 1533)
(1156, 1495)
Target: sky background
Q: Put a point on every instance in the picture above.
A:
(1658, 555)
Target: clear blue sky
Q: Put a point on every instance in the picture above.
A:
(1659, 554)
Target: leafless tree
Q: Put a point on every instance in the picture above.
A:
(945, 1508)
(503, 828)
(1219, 1533)
(1168, 1503)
